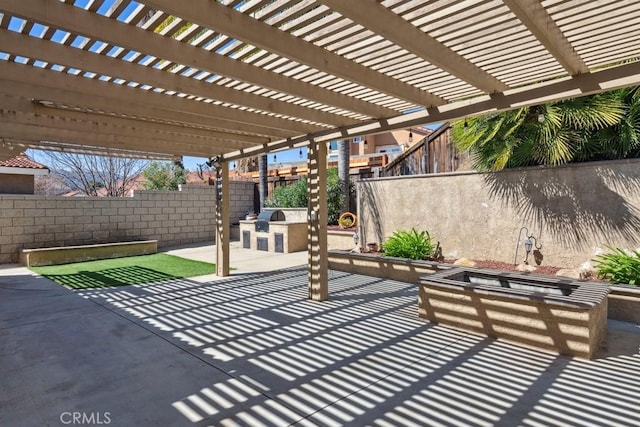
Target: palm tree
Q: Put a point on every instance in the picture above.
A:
(623, 139)
(595, 127)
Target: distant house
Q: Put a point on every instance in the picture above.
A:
(17, 175)
(369, 156)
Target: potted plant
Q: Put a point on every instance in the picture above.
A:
(347, 220)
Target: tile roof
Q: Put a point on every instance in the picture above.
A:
(22, 161)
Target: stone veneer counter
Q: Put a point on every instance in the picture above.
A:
(283, 236)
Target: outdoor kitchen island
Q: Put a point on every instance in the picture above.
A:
(272, 232)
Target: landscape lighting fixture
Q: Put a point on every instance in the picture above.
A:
(355, 238)
(540, 118)
(528, 245)
(410, 136)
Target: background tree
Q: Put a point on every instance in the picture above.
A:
(602, 126)
(49, 185)
(205, 172)
(164, 175)
(89, 173)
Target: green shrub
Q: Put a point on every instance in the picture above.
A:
(334, 196)
(409, 244)
(290, 196)
(620, 266)
(295, 196)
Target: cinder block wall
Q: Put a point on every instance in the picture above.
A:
(171, 217)
(573, 211)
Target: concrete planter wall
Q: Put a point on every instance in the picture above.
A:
(403, 270)
(623, 301)
(68, 254)
(340, 239)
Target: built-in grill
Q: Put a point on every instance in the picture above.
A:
(262, 224)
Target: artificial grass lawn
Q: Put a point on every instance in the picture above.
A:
(135, 270)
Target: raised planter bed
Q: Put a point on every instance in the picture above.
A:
(401, 269)
(623, 301)
(69, 254)
(340, 239)
(563, 315)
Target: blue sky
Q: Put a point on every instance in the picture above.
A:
(282, 157)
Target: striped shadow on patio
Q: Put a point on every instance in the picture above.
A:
(365, 358)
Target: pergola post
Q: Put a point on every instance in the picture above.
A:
(317, 222)
(222, 220)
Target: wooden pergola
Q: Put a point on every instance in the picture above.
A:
(236, 78)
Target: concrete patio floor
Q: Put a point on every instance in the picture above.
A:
(251, 350)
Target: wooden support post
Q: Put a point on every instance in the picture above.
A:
(317, 222)
(222, 220)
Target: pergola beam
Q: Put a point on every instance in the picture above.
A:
(31, 47)
(377, 18)
(39, 133)
(63, 105)
(534, 16)
(95, 151)
(81, 91)
(101, 128)
(34, 108)
(75, 20)
(228, 21)
(580, 85)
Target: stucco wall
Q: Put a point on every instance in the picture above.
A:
(171, 217)
(16, 184)
(573, 211)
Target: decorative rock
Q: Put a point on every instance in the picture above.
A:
(526, 268)
(572, 273)
(586, 270)
(464, 262)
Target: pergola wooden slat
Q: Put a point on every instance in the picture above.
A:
(340, 65)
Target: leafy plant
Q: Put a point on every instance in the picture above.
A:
(290, 196)
(596, 127)
(296, 196)
(619, 266)
(409, 244)
(345, 222)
